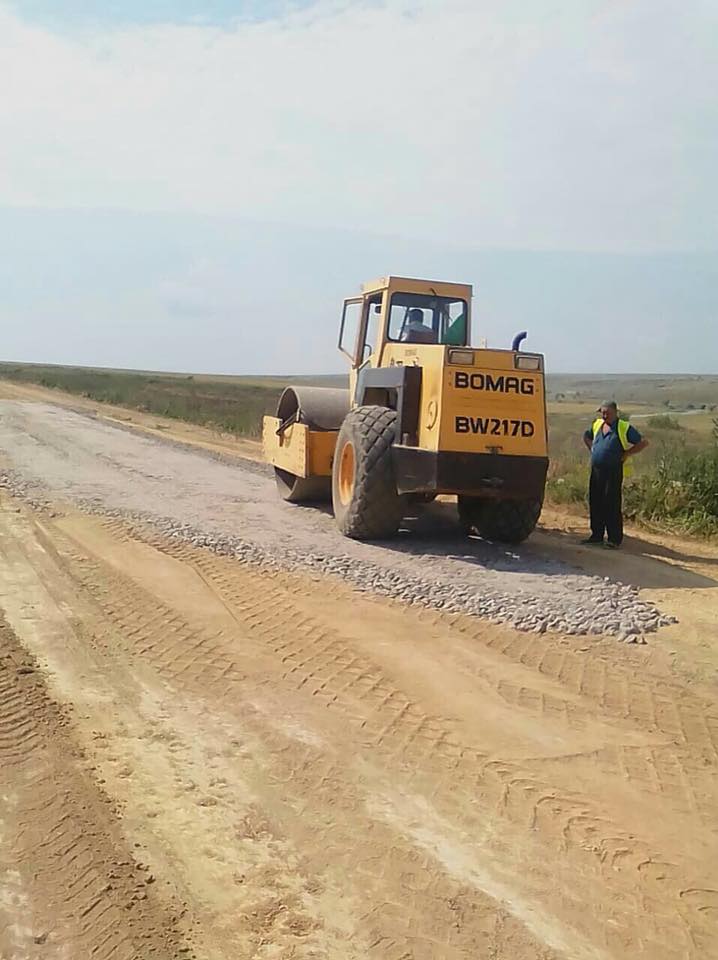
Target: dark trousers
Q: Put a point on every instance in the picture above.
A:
(604, 495)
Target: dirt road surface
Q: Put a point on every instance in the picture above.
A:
(220, 751)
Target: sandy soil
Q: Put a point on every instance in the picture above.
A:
(200, 758)
(70, 882)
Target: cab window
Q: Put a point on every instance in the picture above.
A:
(424, 318)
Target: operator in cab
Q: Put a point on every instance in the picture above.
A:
(416, 330)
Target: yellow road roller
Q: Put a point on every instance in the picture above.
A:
(425, 414)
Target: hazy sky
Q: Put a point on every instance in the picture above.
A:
(195, 185)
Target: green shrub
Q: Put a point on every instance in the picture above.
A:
(681, 492)
(662, 421)
(567, 482)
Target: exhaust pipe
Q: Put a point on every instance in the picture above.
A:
(516, 344)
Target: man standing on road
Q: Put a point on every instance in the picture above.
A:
(611, 442)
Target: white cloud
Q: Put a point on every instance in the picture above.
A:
(582, 125)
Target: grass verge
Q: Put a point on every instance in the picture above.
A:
(229, 405)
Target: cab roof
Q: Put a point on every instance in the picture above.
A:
(439, 288)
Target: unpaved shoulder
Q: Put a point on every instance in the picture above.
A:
(70, 885)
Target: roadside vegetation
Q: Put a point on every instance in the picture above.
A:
(675, 485)
(231, 404)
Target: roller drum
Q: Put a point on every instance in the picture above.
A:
(320, 408)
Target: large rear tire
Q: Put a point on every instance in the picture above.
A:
(366, 503)
(508, 521)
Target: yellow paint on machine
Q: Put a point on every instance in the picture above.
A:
(493, 408)
(299, 450)
(431, 359)
(489, 407)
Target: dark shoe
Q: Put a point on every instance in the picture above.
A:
(592, 540)
(612, 546)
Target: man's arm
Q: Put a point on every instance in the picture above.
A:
(636, 448)
(588, 439)
(637, 443)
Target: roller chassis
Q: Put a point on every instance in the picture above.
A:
(372, 452)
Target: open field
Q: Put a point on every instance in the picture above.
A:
(651, 391)
(226, 732)
(233, 404)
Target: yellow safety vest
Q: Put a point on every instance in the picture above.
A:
(622, 426)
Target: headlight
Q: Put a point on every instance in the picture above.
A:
(462, 358)
(525, 361)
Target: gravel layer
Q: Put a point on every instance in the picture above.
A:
(595, 605)
(232, 508)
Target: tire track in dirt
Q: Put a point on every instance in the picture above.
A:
(608, 864)
(687, 722)
(323, 812)
(315, 656)
(183, 772)
(82, 893)
(651, 702)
